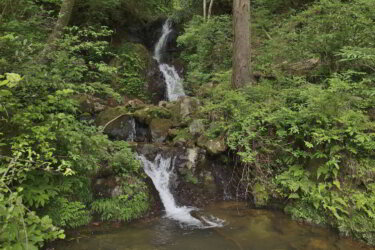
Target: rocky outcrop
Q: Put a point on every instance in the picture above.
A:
(213, 146)
(155, 83)
(159, 129)
(188, 105)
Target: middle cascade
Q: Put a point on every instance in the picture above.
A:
(172, 79)
(160, 171)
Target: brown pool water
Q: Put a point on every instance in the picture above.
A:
(244, 228)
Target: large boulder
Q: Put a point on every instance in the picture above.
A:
(159, 129)
(122, 128)
(213, 146)
(90, 104)
(196, 127)
(188, 106)
(120, 124)
(155, 85)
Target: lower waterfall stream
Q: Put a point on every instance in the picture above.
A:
(160, 171)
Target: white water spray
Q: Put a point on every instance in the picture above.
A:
(172, 79)
(160, 171)
(132, 131)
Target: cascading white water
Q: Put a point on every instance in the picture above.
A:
(172, 79)
(160, 171)
(132, 131)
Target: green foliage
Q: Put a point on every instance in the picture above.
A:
(21, 228)
(128, 206)
(131, 66)
(312, 144)
(320, 31)
(68, 214)
(111, 12)
(207, 48)
(48, 156)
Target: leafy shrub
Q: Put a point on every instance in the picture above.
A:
(68, 214)
(207, 48)
(122, 208)
(21, 228)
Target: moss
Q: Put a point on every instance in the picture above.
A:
(159, 129)
(213, 146)
(189, 176)
(182, 135)
(109, 114)
(149, 113)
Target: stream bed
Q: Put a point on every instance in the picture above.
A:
(243, 228)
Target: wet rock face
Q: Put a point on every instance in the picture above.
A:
(213, 146)
(159, 129)
(151, 32)
(129, 129)
(188, 105)
(156, 87)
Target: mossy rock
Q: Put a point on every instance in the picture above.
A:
(109, 114)
(89, 104)
(182, 137)
(159, 129)
(146, 115)
(213, 146)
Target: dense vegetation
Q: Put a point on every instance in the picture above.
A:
(303, 134)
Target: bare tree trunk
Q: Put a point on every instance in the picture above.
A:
(210, 9)
(62, 21)
(241, 48)
(204, 9)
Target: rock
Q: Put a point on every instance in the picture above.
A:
(122, 128)
(117, 191)
(155, 86)
(196, 127)
(172, 132)
(121, 125)
(163, 104)
(159, 129)
(103, 187)
(213, 146)
(109, 114)
(147, 114)
(301, 67)
(90, 104)
(188, 105)
(135, 104)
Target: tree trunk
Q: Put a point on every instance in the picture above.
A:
(210, 9)
(62, 21)
(241, 48)
(204, 9)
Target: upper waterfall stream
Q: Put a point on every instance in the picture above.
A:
(172, 80)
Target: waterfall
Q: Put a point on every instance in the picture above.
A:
(172, 79)
(132, 131)
(160, 171)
